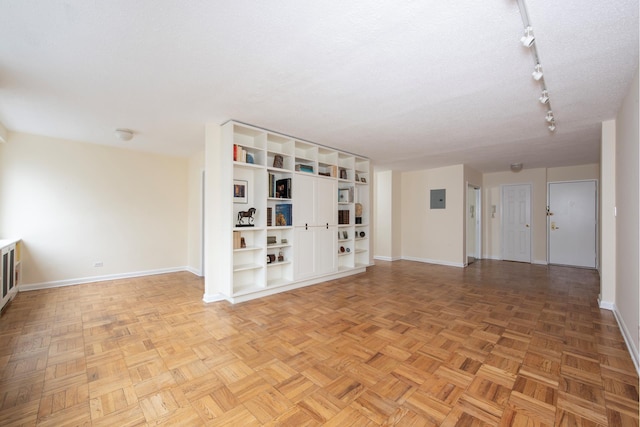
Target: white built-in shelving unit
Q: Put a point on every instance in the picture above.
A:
(304, 229)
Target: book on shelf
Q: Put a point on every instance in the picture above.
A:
(329, 170)
(272, 185)
(240, 154)
(283, 215)
(279, 188)
(300, 167)
(283, 188)
(269, 216)
(237, 240)
(343, 216)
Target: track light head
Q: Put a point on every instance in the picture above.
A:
(549, 117)
(528, 38)
(544, 98)
(552, 126)
(537, 72)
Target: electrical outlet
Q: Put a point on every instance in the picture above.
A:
(98, 264)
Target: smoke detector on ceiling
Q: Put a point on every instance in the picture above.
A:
(124, 134)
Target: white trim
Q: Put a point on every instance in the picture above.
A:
(194, 271)
(539, 262)
(434, 261)
(633, 351)
(606, 305)
(493, 257)
(242, 297)
(387, 258)
(213, 298)
(81, 280)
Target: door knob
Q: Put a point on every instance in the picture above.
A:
(527, 225)
(553, 226)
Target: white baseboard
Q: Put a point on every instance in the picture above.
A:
(81, 280)
(213, 298)
(606, 305)
(534, 261)
(434, 261)
(194, 271)
(387, 258)
(633, 351)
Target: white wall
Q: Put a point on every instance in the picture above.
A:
(387, 217)
(74, 204)
(573, 173)
(194, 254)
(433, 235)
(627, 220)
(607, 247)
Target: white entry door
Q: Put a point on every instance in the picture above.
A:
(516, 223)
(572, 223)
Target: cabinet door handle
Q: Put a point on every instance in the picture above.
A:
(327, 226)
(306, 226)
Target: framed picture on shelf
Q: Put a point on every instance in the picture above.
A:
(343, 195)
(363, 179)
(240, 191)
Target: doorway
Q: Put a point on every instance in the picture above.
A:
(516, 222)
(572, 223)
(474, 227)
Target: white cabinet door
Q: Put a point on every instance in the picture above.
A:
(326, 201)
(304, 253)
(304, 197)
(326, 249)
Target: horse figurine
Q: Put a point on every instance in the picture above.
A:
(246, 214)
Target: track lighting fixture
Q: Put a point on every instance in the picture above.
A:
(528, 38)
(549, 117)
(529, 41)
(537, 72)
(544, 99)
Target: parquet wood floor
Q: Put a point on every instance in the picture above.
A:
(406, 344)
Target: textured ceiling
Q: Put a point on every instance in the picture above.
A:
(410, 84)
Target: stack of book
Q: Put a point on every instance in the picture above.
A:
(241, 155)
(329, 170)
(343, 216)
(300, 167)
